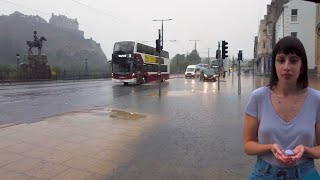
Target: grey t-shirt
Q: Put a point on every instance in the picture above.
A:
(272, 129)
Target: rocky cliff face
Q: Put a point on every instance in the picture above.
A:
(65, 48)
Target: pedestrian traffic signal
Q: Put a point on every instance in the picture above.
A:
(240, 56)
(158, 46)
(224, 49)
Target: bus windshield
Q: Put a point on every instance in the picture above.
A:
(125, 46)
(122, 66)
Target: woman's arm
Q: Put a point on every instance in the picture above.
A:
(314, 152)
(250, 139)
(251, 145)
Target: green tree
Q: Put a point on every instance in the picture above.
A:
(177, 60)
(193, 57)
(7, 71)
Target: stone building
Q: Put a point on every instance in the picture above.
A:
(298, 19)
(263, 61)
(64, 22)
(266, 36)
(288, 18)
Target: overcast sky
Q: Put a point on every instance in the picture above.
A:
(108, 21)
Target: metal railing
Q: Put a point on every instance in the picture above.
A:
(15, 76)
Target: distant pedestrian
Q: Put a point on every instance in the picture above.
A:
(282, 120)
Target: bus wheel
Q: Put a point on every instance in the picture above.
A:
(125, 83)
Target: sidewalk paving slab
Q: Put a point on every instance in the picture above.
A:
(89, 144)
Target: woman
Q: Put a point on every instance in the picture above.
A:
(282, 120)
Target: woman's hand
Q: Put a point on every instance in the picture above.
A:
(298, 152)
(279, 155)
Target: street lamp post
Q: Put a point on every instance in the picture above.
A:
(85, 73)
(162, 28)
(159, 62)
(18, 62)
(178, 67)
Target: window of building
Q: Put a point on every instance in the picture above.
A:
(294, 34)
(294, 15)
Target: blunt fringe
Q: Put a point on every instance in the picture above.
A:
(290, 45)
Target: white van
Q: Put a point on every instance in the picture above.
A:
(202, 66)
(191, 71)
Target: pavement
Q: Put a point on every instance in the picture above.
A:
(90, 144)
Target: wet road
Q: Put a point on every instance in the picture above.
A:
(199, 135)
(33, 102)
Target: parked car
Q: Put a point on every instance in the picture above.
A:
(208, 74)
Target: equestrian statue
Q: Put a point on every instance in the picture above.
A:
(36, 43)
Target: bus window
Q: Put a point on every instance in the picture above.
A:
(143, 49)
(149, 50)
(164, 54)
(126, 46)
(164, 68)
(139, 47)
(153, 51)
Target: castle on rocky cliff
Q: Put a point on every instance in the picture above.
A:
(64, 22)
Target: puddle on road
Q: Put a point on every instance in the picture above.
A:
(120, 114)
(106, 112)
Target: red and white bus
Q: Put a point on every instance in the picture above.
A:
(136, 63)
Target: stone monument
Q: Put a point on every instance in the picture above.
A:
(35, 66)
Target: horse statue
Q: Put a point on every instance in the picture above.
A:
(37, 44)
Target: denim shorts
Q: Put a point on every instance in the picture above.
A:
(266, 171)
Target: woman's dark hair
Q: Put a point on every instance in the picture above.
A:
(290, 45)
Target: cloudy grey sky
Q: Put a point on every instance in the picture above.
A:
(108, 21)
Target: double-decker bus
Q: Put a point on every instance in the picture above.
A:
(136, 63)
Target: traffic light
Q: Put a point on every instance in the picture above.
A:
(217, 54)
(224, 49)
(158, 46)
(240, 56)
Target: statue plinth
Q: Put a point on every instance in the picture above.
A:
(35, 67)
(36, 59)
